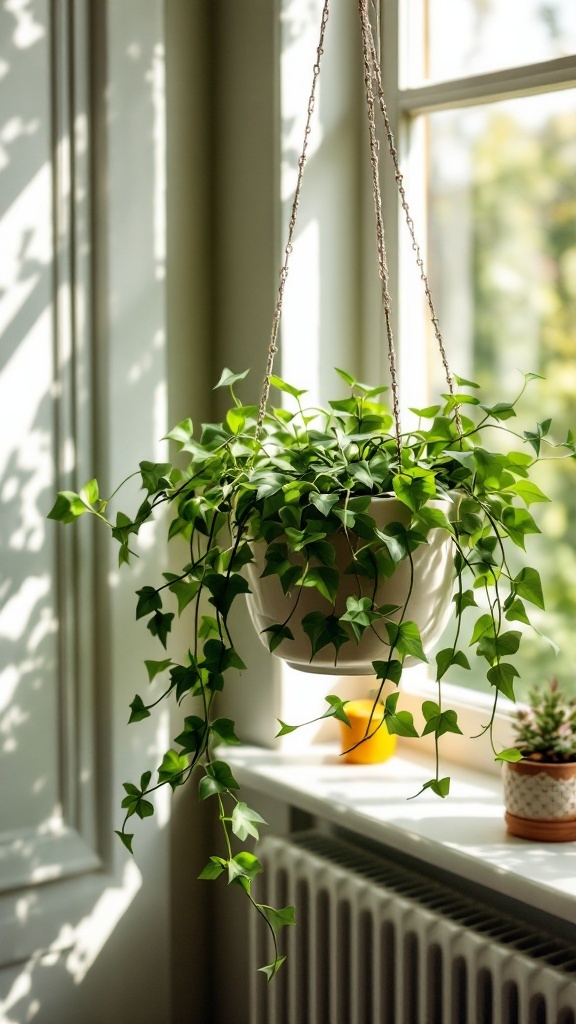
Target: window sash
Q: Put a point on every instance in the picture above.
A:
(405, 107)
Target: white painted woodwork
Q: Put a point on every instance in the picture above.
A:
(83, 390)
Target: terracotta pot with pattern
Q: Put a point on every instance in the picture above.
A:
(540, 800)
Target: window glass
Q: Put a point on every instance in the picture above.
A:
(502, 266)
(456, 38)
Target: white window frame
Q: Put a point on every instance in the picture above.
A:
(406, 103)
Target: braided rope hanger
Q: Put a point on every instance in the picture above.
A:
(272, 347)
(399, 178)
(372, 73)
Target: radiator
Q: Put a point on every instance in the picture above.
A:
(376, 943)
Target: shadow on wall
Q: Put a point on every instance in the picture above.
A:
(62, 940)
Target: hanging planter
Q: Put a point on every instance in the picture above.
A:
(419, 591)
(294, 508)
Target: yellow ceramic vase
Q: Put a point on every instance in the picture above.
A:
(379, 747)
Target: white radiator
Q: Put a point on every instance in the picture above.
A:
(376, 943)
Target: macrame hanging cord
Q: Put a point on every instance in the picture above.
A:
(372, 75)
(372, 71)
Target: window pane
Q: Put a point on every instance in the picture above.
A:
(455, 38)
(502, 263)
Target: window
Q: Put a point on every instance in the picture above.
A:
(484, 103)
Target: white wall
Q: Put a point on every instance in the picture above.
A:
(89, 380)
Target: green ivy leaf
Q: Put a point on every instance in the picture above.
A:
(278, 919)
(224, 590)
(89, 493)
(214, 868)
(464, 600)
(429, 518)
(184, 678)
(224, 729)
(218, 658)
(245, 821)
(336, 709)
(172, 769)
(218, 779)
(235, 420)
(278, 633)
(395, 543)
(414, 488)
(441, 787)
(517, 612)
(528, 491)
(427, 413)
(448, 657)
(139, 710)
(184, 592)
(285, 729)
(323, 502)
(134, 804)
(193, 734)
(160, 625)
(208, 628)
(242, 556)
(228, 378)
(126, 838)
(67, 507)
(154, 668)
(405, 638)
(528, 585)
(391, 670)
(325, 579)
(277, 382)
(470, 515)
(360, 472)
(243, 868)
(440, 722)
(149, 600)
(181, 433)
(518, 523)
(493, 648)
(510, 754)
(155, 476)
(502, 677)
(401, 723)
(359, 614)
(483, 626)
(271, 969)
(500, 411)
(346, 377)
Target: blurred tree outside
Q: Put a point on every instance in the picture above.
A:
(513, 195)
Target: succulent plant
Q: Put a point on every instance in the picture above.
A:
(546, 729)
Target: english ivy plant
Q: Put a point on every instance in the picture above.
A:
(294, 482)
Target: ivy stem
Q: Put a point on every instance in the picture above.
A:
(223, 819)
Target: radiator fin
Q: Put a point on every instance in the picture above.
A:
(377, 943)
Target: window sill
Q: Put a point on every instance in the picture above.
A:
(464, 834)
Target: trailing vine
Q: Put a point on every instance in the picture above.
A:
(293, 484)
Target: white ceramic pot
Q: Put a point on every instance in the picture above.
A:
(429, 604)
(540, 800)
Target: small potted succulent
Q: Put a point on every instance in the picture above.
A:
(540, 788)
